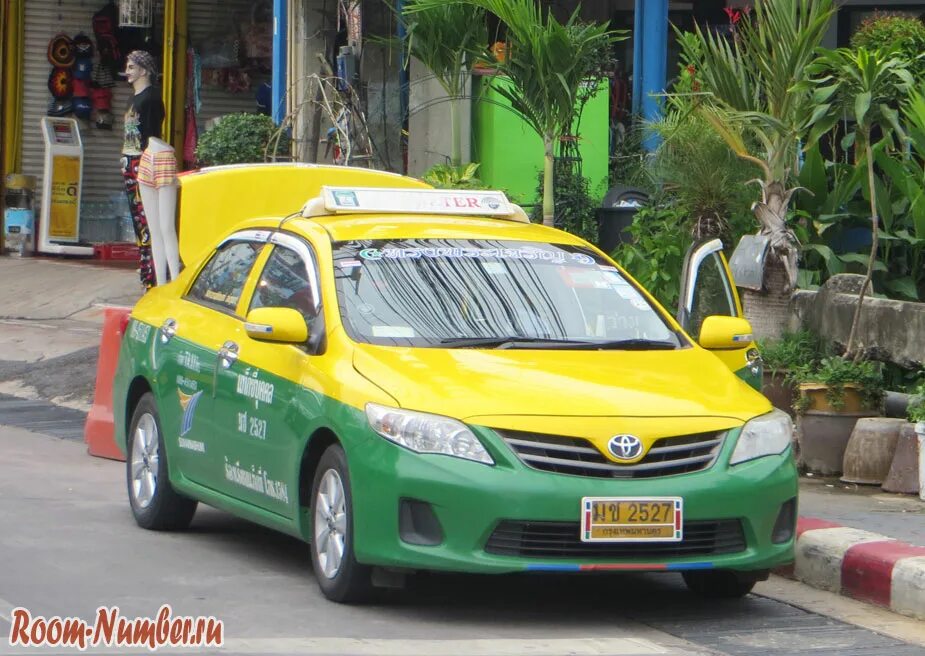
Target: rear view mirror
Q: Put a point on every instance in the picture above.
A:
(276, 324)
(718, 332)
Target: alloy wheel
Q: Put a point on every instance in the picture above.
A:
(330, 523)
(145, 459)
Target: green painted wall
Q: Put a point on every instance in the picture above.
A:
(511, 153)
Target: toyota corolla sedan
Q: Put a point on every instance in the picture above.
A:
(411, 379)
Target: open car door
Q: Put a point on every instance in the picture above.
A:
(707, 289)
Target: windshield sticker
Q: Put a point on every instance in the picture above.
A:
(256, 479)
(494, 268)
(585, 279)
(252, 388)
(188, 403)
(253, 426)
(628, 293)
(607, 268)
(616, 279)
(349, 264)
(525, 253)
(639, 303)
(403, 332)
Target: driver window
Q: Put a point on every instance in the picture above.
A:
(284, 282)
(221, 281)
(712, 295)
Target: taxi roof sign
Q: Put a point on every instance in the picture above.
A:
(365, 200)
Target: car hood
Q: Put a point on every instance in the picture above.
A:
(470, 383)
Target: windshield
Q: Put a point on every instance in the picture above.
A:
(458, 293)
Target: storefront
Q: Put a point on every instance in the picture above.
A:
(215, 55)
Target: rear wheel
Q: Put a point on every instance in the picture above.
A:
(154, 502)
(340, 577)
(718, 584)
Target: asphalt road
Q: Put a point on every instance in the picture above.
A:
(68, 545)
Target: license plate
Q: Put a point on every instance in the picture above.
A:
(631, 519)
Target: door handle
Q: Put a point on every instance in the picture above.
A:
(168, 330)
(228, 354)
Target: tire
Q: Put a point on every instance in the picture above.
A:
(342, 580)
(718, 584)
(155, 504)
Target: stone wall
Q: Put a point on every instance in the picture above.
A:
(890, 331)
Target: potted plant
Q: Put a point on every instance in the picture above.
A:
(242, 139)
(784, 359)
(833, 395)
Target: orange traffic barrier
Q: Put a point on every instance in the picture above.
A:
(99, 431)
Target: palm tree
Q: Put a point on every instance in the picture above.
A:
(546, 61)
(749, 99)
(447, 39)
(859, 85)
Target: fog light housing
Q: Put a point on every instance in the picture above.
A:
(418, 524)
(785, 526)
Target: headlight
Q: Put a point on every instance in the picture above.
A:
(426, 433)
(766, 435)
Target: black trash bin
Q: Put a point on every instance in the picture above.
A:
(616, 215)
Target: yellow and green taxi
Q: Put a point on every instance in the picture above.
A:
(412, 379)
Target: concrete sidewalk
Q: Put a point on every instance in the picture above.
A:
(854, 540)
(51, 310)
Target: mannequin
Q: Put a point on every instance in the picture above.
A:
(143, 120)
(157, 181)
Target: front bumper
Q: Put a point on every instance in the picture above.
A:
(470, 500)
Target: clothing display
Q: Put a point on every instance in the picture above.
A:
(157, 169)
(139, 220)
(157, 180)
(142, 121)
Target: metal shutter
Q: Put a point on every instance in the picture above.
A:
(102, 148)
(220, 18)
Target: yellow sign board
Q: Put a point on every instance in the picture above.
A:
(65, 191)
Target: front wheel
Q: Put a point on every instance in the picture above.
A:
(340, 577)
(718, 584)
(154, 502)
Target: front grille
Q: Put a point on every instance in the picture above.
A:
(577, 456)
(562, 540)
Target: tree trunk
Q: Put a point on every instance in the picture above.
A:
(549, 198)
(875, 233)
(768, 311)
(771, 213)
(456, 147)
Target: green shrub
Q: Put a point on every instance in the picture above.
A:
(902, 35)
(575, 209)
(661, 237)
(836, 372)
(791, 353)
(916, 408)
(447, 176)
(240, 139)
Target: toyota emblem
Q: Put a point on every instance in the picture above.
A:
(625, 447)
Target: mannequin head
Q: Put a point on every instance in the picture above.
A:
(140, 69)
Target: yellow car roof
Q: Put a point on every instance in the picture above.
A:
(423, 226)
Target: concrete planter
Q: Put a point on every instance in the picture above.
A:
(817, 395)
(904, 471)
(920, 432)
(823, 437)
(870, 450)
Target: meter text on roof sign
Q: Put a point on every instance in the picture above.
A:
(416, 201)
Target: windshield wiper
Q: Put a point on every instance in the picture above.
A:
(633, 345)
(510, 341)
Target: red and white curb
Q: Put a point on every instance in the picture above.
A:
(860, 564)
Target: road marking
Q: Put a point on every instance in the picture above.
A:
(5, 609)
(494, 647)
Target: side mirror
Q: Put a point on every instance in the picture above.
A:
(276, 324)
(718, 332)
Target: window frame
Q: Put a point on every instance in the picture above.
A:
(253, 236)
